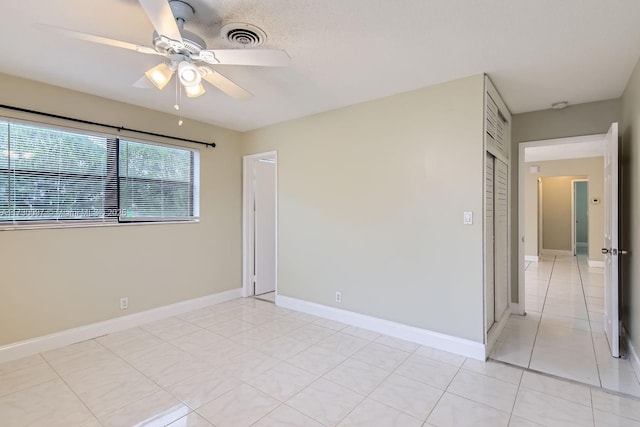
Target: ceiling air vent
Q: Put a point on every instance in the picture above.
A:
(245, 35)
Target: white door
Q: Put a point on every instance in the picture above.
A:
(501, 225)
(265, 226)
(489, 241)
(496, 239)
(610, 251)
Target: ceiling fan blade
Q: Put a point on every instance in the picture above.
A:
(161, 16)
(255, 57)
(98, 39)
(224, 84)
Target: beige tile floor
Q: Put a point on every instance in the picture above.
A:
(248, 362)
(563, 331)
(269, 296)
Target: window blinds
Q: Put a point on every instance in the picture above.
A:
(156, 182)
(53, 174)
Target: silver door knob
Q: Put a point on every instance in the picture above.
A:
(605, 251)
(621, 252)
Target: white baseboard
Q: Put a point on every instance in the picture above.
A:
(461, 346)
(82, 333)
(582, 245)
(598, 264)
(631, 352)
(558, 252)
(532, 258)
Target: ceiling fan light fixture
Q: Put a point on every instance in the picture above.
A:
(160, 75)
(194, 91)
(189, 74)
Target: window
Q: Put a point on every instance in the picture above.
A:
(59, 175)
(156, 182)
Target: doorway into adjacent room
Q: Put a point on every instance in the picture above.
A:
(260, 226)
(568, 304)
(580, 214)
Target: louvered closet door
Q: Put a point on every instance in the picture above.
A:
(489, 240)
(501, 242)
(496, 128)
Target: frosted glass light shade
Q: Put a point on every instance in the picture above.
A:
(160, 75)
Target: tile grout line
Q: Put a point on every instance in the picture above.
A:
(593, 344)
(515, 399)
(71, 388)
(367, 396)
(535, 339)
(322, 376)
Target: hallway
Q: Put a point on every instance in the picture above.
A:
(562, 333)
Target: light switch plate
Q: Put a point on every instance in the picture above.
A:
(468, 218)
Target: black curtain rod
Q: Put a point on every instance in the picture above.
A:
(118, 128)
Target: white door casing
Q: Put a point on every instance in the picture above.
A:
(610, 251)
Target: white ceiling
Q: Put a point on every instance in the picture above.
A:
(589, 147)
(343, 51)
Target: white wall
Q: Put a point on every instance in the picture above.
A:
(371, 199)
(630, 224)
(56, 279)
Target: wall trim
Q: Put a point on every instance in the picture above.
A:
(532, 258)
(93, 330)
(598, 264)
(557, 252)
(461, 346)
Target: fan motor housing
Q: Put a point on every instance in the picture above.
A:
(193, 43)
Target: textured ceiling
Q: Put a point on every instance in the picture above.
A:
(343, 51)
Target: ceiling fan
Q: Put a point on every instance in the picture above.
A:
(186, 53)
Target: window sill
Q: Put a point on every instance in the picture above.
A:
(86, 224)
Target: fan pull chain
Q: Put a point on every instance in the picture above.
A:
(178, 102)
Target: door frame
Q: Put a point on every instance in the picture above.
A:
(574, 244)
(522, 171)
(248, 217)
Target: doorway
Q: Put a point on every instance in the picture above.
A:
(260, 226)
(563, 297)
(580, 231)
(557, 214)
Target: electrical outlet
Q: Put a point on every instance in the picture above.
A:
(338, 297)
(124, 303)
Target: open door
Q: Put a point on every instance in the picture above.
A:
(610, 251)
